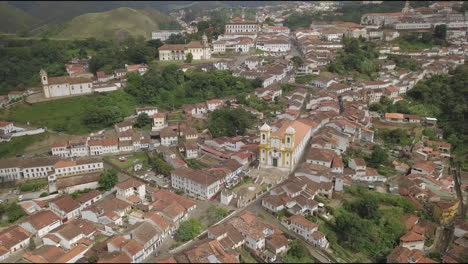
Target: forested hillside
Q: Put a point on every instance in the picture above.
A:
(446, 98)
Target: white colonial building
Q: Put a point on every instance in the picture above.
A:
(179, 52)
(163, 35)
(239, 25)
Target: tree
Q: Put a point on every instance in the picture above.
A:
(440, 31)
(297, 253)
(143, 120)
(189, 229)
(100, 117)
(215, 214)
(23, 32)
(82, 53)
(32, 244)
(366, 208)
(14, 212)
(230, 122)
(160, 165)
(189, 58)
(92, 259)
(378, 156)
(257, 82)
(108, 179)
(154, 43)
(297, 61)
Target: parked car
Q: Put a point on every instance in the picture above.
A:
(20, 198)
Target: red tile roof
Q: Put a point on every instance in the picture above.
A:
(130, 183)
(412, 236)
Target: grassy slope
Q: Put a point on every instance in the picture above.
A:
(103, 25)
(67, 114)
(13, 19)
(18, 145)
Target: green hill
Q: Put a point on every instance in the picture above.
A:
(13, 19)
(115, 24)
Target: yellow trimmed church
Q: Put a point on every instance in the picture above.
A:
(284, 147)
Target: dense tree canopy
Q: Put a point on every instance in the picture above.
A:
(393, 137)
(189, 229)
(367, 228)
(117, 54)
(23, 59)
(171, 87)
(448, 96)
(159, 165)
(230, 122)
(297, 253)
(104, 116)
(143, 120)
(108, 179)
(386, 105)
(358, 56)
(379, 156)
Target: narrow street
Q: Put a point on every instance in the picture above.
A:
(317, 253)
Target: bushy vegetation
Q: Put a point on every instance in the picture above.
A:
(394, 137)
(416, 41)
(77, 194)
(404, 62)
(116, 54)
(143, 120)
(108, 179)
(159, 165)
(195, 164)
(260, 104)
(230, 122)
(379, 156)
(17, 145)
(386, 105)
(189, 229)
(448, 96)
(297, 253)
(215, 214)
(22, 59)
(10, 213)
(358, 57)
(33, 185)
(365, 226)
(305, 79)
(171, 87)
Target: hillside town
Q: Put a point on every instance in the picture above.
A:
(324, 160)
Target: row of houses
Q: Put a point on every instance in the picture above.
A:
(70, 227)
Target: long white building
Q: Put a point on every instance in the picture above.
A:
(163, 35)
(179, 52)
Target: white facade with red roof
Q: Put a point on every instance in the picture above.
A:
(6, 127)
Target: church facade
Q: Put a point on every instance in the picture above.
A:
(65, 86)
(284, 147)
